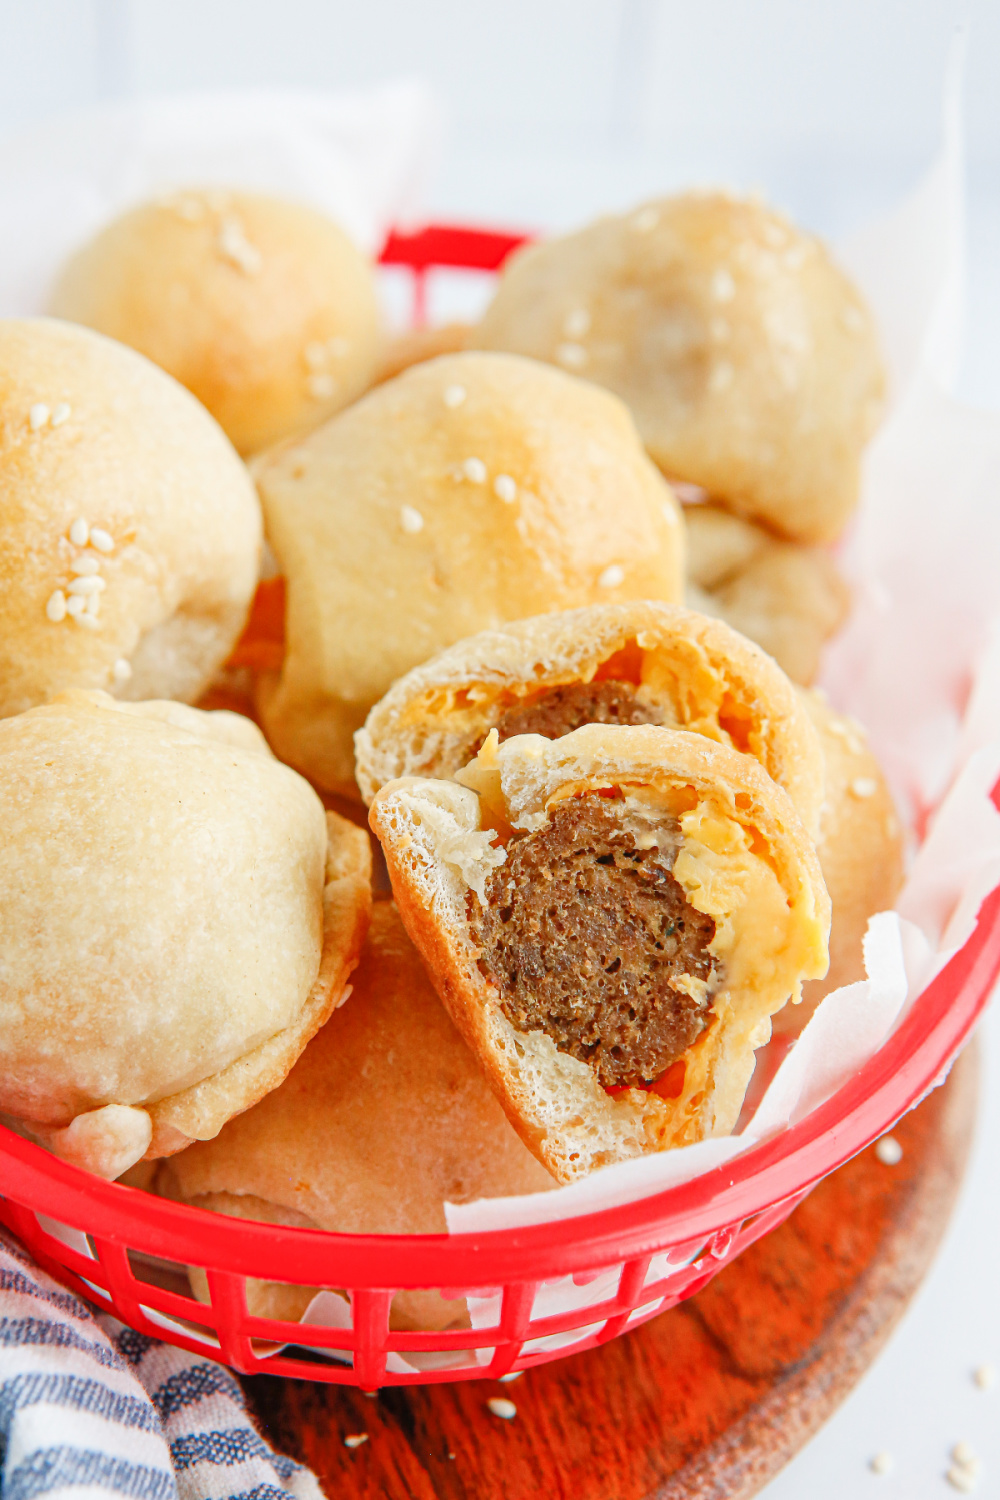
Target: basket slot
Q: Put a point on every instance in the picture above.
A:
(123, 1289)
(370, 1317)
(514, 1325)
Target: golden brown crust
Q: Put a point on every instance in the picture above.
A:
(787, 597)
(695, 673)
(182, 870)
(747, 357)
(264, 309)
(98, 445)
(860, 848)
(473, 489)
(437, 850)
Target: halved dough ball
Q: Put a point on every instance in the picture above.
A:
(385, 1117)
(787, 597)
(611, 920)
(747, 358)
(130, 533)
(472, 490)
(177, 918)
(632, 663)
(265, 309)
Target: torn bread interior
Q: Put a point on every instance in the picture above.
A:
(611, 919)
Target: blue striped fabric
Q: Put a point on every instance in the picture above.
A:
(90, 1409)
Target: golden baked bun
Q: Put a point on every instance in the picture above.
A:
(611, 919)
(385, 1118)
(130, 533)
(266, 310)
(860, 848)
(788, 597)
(637, 662)
(178, 916)
(747, 358)
(472, 490)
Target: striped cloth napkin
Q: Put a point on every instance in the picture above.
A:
(90, 1410)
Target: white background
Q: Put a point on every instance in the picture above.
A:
(555, 110)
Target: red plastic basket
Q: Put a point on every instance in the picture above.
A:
(127, 1251)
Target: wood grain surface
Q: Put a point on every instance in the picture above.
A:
(708, 1400)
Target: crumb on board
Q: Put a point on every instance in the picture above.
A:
(882, 1463)
(889, 1151)
(355, 1439)
(501, 1407)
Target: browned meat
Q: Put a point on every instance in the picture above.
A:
(582, 934)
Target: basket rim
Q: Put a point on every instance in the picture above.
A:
(909, 1064)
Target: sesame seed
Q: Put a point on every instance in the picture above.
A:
(411, 520)
(94, 604)
(864, 786)
(189, 209)
(320, 387)
(87, 620)
(315, 355)
(882, 1463)
(645, 220)
(102, 540)
(76, 605)
(573, 356)
(577, 323)
(474, 470)
(612, 578)
(984, 1377)
(454, 395)
(505, 489)
(501, 1407)
(514, 1375)
(889, 1151)
(121, 671)
(79, 532)
(723, 285)
(721, 377)
(55, 606)
(355, 1439)
(964, 1455)
(38, 416)
(91, 585)
(963, 1480)
(85, 566)
(234, 246)
(670, 515)
(61, 413)
(338, 346)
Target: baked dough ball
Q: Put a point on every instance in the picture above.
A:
(177, 918)
(385, 1118)
(748, 360)
(860, 848)
(787, 597)
(264, 309)
(611, 920)
(129, 530)
(631, 663)
(472, 490)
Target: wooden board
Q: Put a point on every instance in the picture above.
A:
(707, 1401)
